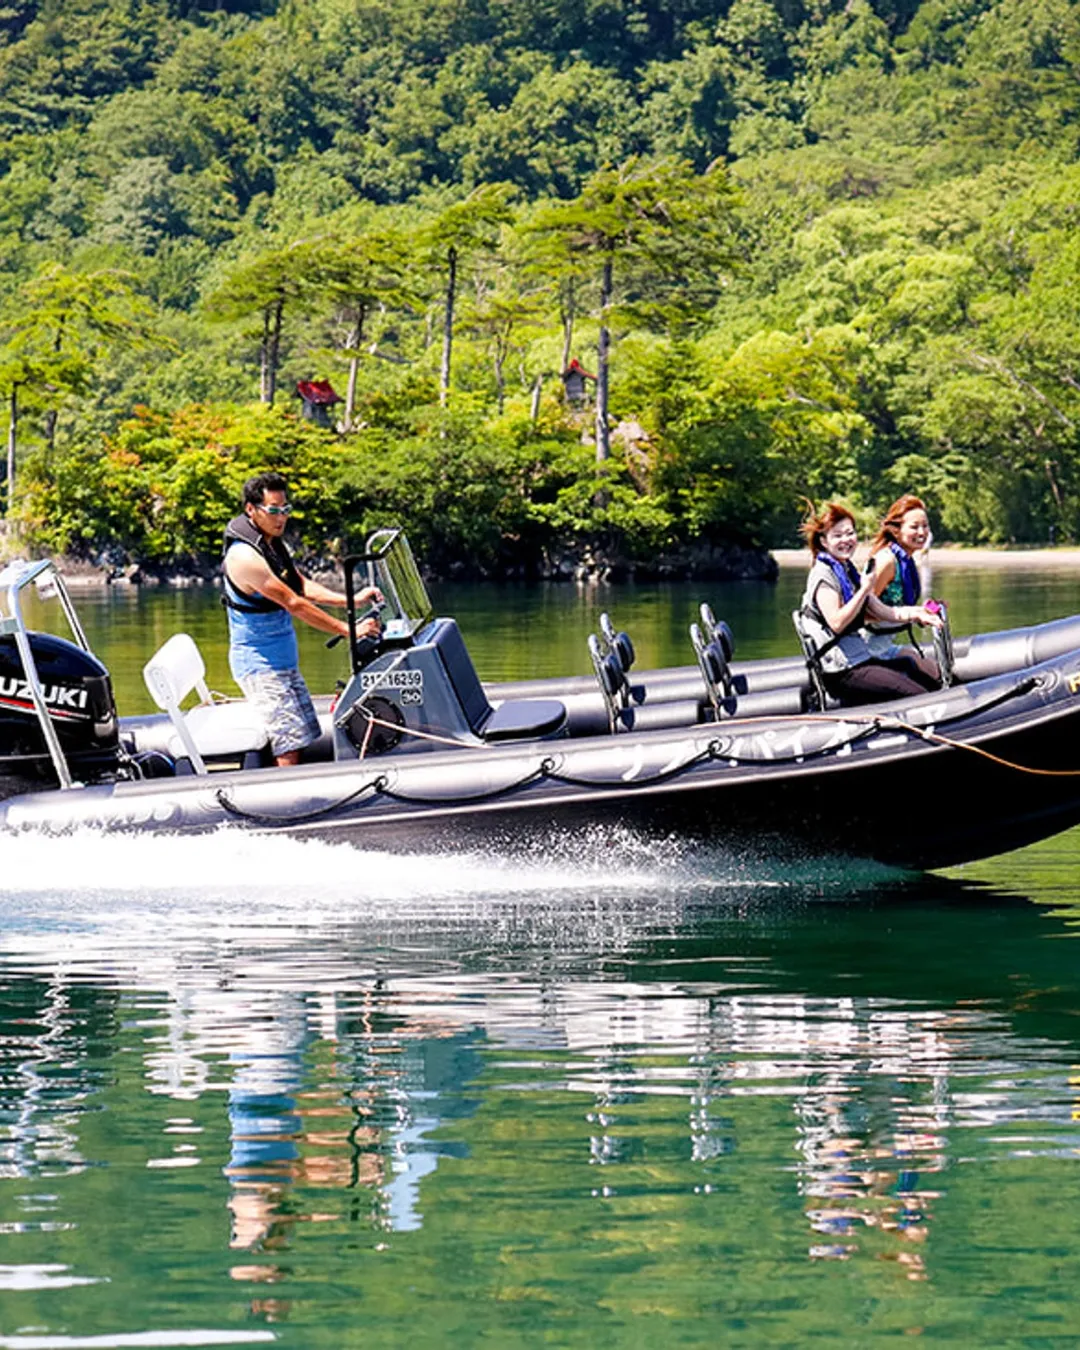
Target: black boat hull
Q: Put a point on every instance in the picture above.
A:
(923, 783)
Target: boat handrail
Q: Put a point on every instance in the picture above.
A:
(15, 578)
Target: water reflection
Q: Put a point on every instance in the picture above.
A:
(831, 1049)
(46, 1082)
(356, 1128)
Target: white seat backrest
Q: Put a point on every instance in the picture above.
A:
(174, 670)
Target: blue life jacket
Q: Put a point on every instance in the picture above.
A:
(906, 573)
(846, 574)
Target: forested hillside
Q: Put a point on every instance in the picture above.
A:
(805, 247)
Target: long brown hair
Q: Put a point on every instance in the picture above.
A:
(817, 524)
(889, 533)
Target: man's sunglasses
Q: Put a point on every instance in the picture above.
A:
(285, 510)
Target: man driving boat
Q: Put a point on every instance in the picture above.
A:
(263, 593)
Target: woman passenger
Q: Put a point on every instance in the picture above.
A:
(835, 605)
(904, 533)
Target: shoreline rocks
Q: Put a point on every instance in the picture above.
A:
(704, 562)
(582, 567)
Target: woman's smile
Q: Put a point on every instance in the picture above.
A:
(841, 540)
(914, 531)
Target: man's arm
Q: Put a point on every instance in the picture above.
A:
(322, 595)
(249, 572)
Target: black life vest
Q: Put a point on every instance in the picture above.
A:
(242, 530)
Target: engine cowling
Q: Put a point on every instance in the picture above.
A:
(79, 697)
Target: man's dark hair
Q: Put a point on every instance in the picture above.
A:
(255, 489)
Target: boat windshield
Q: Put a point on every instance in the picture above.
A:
(392, 568)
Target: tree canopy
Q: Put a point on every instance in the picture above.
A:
(805, 247)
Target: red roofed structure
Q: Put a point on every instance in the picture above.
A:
(573, 378)
(318, 396)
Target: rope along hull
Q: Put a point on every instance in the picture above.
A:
(991, 765)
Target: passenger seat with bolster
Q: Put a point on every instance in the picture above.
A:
(724, 693)
(621, 711)
(517, 719)
(714, 646)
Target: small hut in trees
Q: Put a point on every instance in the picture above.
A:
(574, 379)
(318, 398)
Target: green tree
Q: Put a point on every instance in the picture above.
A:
(459, 232)
(60, 325)
(668, 228)
(265, 287)
(372, 273)
(502, 315)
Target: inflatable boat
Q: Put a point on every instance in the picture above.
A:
(418, 754)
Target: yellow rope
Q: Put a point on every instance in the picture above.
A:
(986, 754)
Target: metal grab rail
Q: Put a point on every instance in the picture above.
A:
(15, 578)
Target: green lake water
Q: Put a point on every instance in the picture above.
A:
(268, 1091)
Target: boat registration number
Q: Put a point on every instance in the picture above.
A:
(392, 679)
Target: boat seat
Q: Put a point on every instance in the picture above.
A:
(820, 698)
(619, 644)
(208, 730)
(624, 712)
(611, 677)
(522, 718)
(714, 652)
(516, 719)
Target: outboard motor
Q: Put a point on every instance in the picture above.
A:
(79, 697)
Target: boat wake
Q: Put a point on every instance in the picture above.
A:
(278, 913)
(309, 878)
